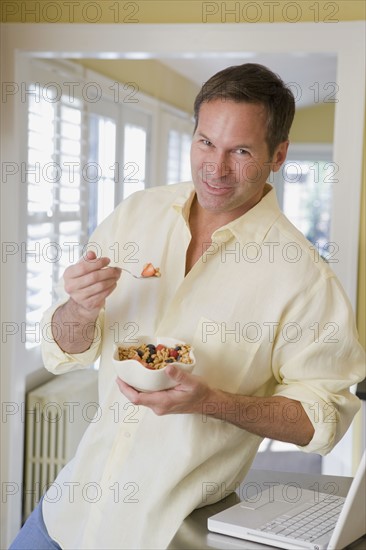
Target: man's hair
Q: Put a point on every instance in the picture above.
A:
(253, 83)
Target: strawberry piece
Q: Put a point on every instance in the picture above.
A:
(148, 271)
(173, 353)
(159, 347)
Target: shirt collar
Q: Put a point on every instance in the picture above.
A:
(252, 226)
(183, 202)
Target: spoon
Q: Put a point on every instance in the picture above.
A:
(137, 276)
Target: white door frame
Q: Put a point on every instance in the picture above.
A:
(111, 41)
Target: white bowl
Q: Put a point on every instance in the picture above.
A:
(143, 379)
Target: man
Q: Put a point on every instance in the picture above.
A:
(232, 287)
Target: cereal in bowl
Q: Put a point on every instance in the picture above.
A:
(156, 357)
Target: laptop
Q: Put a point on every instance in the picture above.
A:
(287, 516)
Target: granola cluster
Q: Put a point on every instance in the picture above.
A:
(156, 357)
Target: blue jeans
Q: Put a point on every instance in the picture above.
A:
(33, 535)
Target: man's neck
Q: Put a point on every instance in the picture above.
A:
(203, 224)
(202, 221)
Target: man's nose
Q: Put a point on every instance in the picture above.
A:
(218, 167)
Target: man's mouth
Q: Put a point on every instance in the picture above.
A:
(215, 186)
(218, 186)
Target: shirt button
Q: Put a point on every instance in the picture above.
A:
(127, 434)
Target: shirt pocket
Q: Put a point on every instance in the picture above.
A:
(227, 360)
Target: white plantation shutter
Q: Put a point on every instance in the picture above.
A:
(70, 186)
(56, 202)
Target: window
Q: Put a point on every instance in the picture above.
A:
(178, 165)
(101, 169)
(136, 127)
(134, 153)
(308, 200)
(84, 156)
(176, 147)
(304, 187)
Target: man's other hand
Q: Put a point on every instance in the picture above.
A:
(188, 396)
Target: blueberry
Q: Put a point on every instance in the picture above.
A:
(170, 360)
(140, 353)
(149, 360)
(177, 348)
(151, 348)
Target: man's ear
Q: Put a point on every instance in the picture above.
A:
(279, 156)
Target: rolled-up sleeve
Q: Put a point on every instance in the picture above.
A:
(317, 359)
(54, 358)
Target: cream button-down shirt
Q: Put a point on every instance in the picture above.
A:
(265, 315)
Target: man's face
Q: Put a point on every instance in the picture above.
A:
(229, 156)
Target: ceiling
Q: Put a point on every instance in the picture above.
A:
(311, 76)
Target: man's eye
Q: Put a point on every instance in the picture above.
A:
(242, 151)
(206, 142)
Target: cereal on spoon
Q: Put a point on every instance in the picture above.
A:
(150, 271)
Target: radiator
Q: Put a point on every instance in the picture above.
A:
(57, 415)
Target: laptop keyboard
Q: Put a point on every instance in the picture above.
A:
(309, 524)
